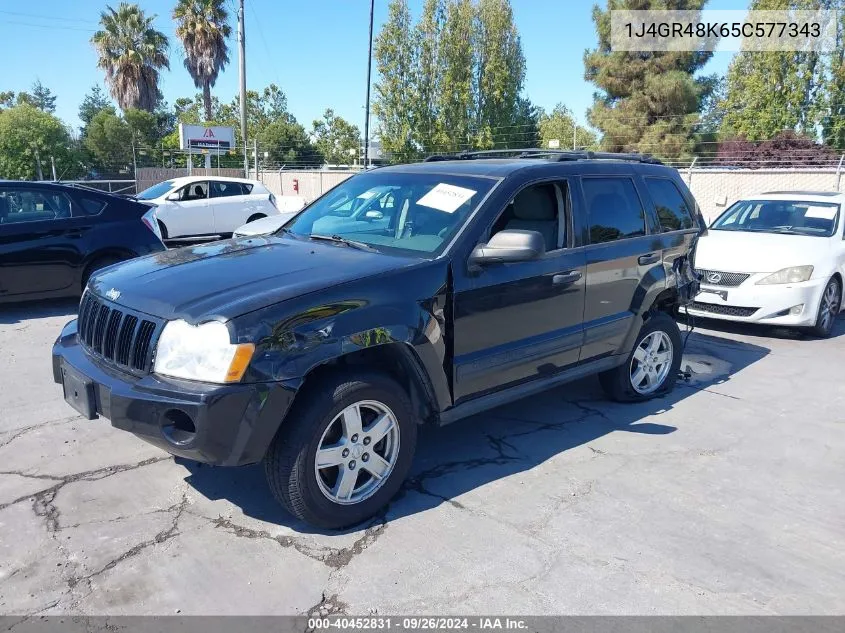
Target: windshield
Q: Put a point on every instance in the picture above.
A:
(780, 216)
(410, 213)
(156, 191)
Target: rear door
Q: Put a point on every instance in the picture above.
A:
(622, 260)
(233, 206)
(515, 322)
(191, 213)
(42, 244)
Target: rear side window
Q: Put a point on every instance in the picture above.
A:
(24, 205)
(91, 206)
(672, 209)
(226, 189)
(614, 207)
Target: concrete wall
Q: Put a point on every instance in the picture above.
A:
(311, 183)
(716, 189)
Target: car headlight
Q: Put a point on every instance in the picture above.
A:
(201, 352)
(792, 275)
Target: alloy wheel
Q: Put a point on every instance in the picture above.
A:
(357, 452)
(651, 363)
(830, 305)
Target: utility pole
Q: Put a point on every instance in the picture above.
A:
(255, 156)
(53, 167)
(38, 165)
(574, 130)
(242, 74)
(369, 70)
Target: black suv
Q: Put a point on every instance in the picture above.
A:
(472, 282)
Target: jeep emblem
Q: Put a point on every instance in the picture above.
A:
(113, 294)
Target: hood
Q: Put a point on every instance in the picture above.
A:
(750, 252)
(222, 280)
(270, 224)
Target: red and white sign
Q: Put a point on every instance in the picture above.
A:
(206, 137)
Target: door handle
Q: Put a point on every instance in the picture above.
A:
(566, 278)
(651, 258)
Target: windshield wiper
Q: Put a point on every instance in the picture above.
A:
(337, 239)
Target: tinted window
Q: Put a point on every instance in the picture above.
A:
(91, 206)
(18, 205)
(672, 209)
(156, 190)
(791, 217)
(615, 211)
(226, 189)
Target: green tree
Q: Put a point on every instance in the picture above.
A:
(457, 98)
(560, 125)
(42, 98)
(500, 75)
(131, 52)
(647, 101)
(7, 99)
(202, 26)
(832, 111)
(28, 134)
(109, 141)
(427, 77)
(93, 102)
(286, 143)
(394, 103)
(337, 140)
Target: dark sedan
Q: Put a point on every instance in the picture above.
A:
(54, 236)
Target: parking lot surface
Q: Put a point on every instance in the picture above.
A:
(727, 497)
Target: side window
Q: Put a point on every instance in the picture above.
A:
(226, 189)
(91, 206)
(19, 205)
(543, 208)
(194, 191)
(672, 209)
(614, 207)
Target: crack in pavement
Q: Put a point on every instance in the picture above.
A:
(332, 557)
(44, 498)
(24, 430)
(328, 605)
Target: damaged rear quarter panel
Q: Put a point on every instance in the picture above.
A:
(405, 305)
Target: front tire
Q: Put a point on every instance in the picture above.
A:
(829, 306)
(651, 368)
(344, 449)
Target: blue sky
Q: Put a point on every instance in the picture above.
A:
(315, 50)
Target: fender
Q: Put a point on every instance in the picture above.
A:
(295, 337)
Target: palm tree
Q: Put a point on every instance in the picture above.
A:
(203, 28)
(131, 52)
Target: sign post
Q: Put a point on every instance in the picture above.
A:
(205, 138)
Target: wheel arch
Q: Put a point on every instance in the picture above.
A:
(108, 253)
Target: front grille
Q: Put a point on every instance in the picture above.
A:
(731, 280)
(725, 310)
(117, 335)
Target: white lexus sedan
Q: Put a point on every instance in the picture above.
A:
(204, 206)
(777, 258)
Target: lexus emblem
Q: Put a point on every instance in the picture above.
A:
(713, 278)
(113, 294)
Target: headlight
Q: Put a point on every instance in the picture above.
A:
(202, 352)
(793, 275)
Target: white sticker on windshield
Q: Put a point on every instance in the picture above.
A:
(367, 195)
(446, 198)
(826, 213)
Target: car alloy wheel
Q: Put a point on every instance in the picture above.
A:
(357, 452)
(829, 308)
(651, 362)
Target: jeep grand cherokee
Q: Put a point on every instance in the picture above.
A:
(472, 282)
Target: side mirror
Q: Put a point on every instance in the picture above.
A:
(173, 197)
(509, 246)
(374, 215)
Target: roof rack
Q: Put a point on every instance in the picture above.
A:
(555, 155)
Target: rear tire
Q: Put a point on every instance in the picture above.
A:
(643, 376)
(323, 420)
(829, 305)
(255, 217)
(97, 264)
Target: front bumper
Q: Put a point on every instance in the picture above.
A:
(769, 304)
(233, 425)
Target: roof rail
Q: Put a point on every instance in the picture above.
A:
(552, 154)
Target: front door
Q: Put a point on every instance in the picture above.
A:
(189, 211)
(515, 322)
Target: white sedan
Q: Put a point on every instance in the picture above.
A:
(204, 206)
(776, 259)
